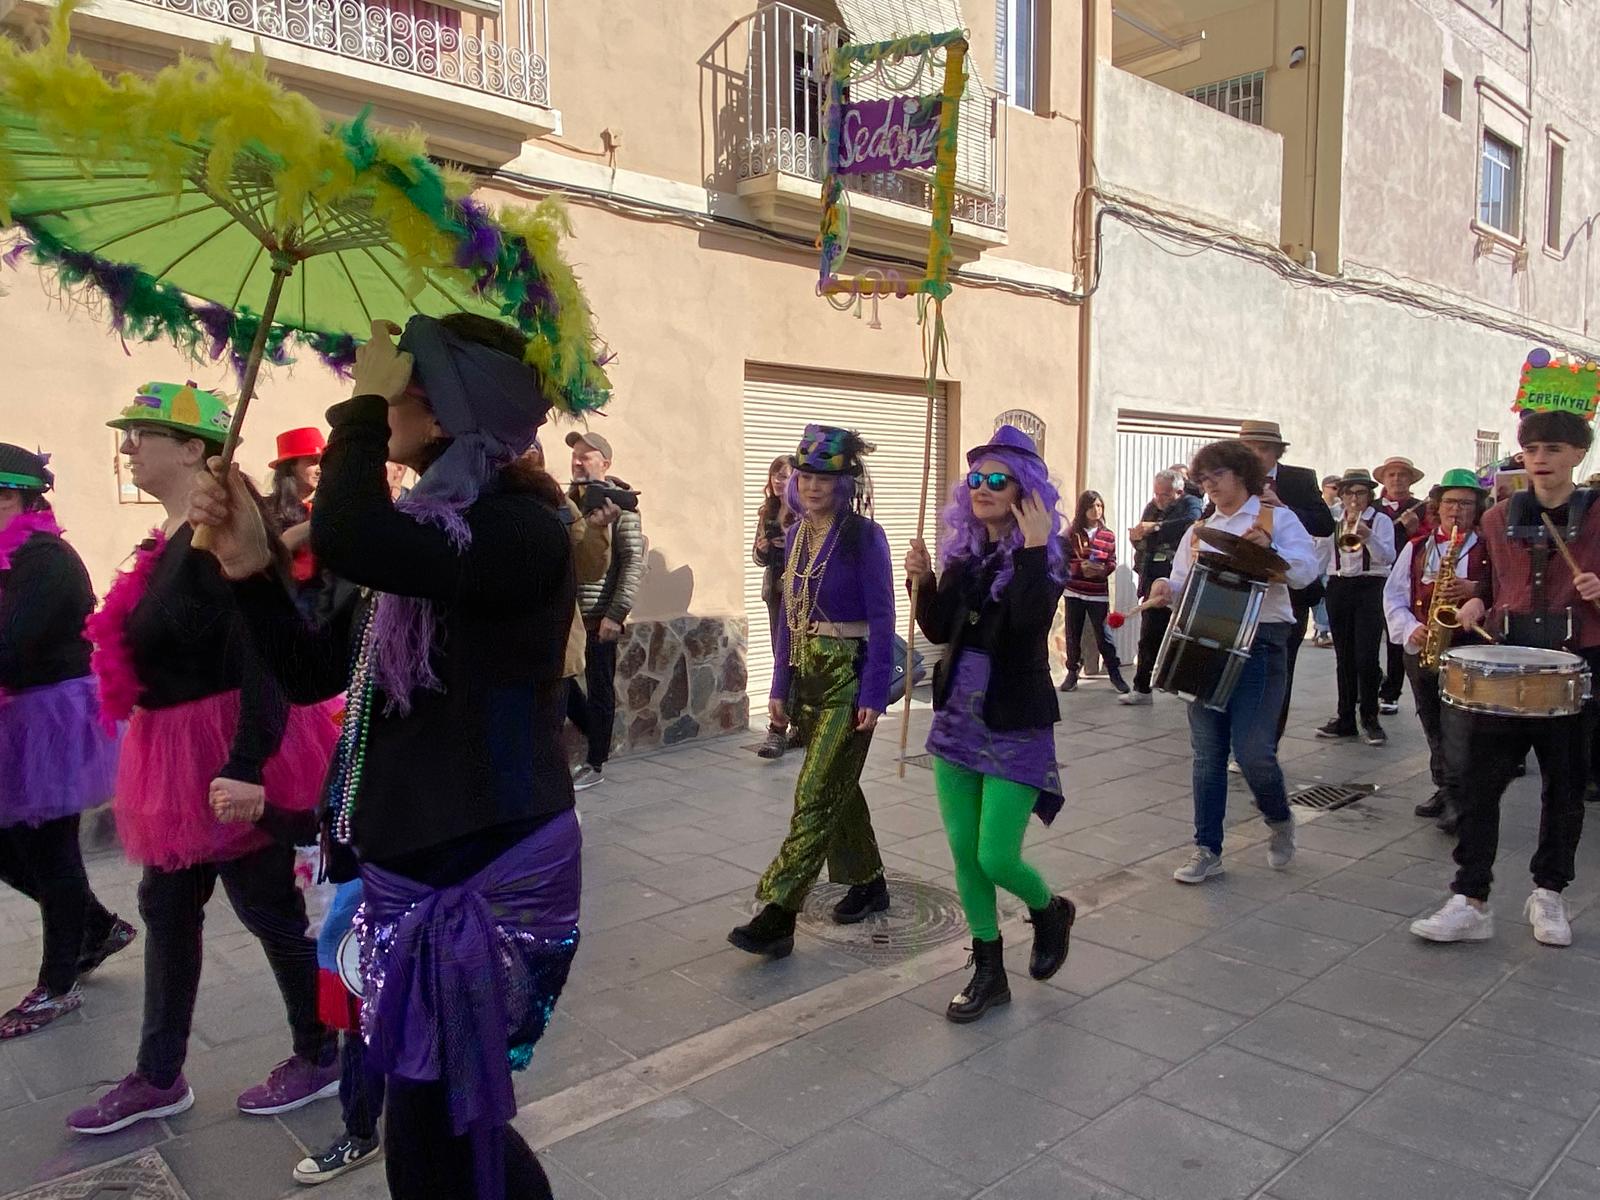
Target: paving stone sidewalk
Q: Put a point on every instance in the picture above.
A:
(1268, 1035)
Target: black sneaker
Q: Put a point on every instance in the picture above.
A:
(1373, 735)
(346, 1154)
(1070, 683)
(119, 937)
(861, 901)
(1433, 809)
(776, 743)
(1333, 731)
(771, 933)
(1388, 708)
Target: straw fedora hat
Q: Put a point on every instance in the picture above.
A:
(1397, 461)
(1261, 431)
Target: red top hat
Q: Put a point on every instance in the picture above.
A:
(299, 443)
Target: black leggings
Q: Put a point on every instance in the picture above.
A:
(45, 864)
(425, 1161)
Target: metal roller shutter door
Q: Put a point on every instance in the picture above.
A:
(889, 412)
(1147, 443)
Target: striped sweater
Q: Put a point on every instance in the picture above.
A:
(1098, 546)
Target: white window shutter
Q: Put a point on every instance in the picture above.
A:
(1002, 47)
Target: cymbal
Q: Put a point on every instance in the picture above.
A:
(1246, 557)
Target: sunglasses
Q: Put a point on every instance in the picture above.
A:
(995, 481)
(135, 436)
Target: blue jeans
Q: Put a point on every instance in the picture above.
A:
(1319, 612)
(1250, 726)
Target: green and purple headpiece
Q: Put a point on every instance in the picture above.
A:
(829, 450)
(22, 470)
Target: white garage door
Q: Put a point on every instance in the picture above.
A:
(779, 402)
(1147, 443)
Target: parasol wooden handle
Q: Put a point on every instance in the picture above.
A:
(247, 387)
(1566, 553)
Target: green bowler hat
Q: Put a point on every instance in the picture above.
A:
(180, 406)
(1460, 477)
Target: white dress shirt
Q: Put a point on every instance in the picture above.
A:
(1397, 614)
(1377, 555)
(1290, 541)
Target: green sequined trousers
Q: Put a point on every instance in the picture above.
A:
(831, 823)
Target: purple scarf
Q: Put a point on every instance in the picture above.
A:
(443, 993)
(491, 405)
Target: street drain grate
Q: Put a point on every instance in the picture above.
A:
(921, 917)
(1327, 797)
(925, 761)
(143, 1176)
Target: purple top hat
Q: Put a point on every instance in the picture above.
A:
(1008, 438)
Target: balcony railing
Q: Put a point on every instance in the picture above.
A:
(499, 53)
(784, 95)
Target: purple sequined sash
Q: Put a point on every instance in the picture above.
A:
(436, 999)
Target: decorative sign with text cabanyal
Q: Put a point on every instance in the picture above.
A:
(1551, 384)
(897, 134)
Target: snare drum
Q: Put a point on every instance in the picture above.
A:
(1208, 642)
(1513, 681)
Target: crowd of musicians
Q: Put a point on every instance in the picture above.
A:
(440, 795)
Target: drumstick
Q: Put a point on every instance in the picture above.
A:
(1566, 553)
(1117, 620)
(1483, 633)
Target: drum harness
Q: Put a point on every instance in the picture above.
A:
(1540, 628)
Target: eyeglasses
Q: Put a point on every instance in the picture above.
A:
(995, 481)
(1457, 503)
(1216, 476)
(136, 436)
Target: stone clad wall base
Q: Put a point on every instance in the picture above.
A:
(679, 680)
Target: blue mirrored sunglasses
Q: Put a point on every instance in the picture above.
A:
(995, 481)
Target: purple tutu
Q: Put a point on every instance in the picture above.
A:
(55, 759)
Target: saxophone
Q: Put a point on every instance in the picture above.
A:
(1443, 619)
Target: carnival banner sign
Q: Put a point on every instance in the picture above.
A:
(897, 134)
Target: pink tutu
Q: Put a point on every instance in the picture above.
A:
(55, 759)
(171, 755)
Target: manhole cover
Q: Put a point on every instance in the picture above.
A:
(142, 1177)
(921, 916)
(1327, 797)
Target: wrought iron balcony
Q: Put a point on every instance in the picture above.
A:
(780, 125)
(495, 48)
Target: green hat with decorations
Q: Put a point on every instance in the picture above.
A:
(181, 406)
(1460, 477)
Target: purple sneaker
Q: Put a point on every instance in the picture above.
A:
(294, 1083)
(133, 1100)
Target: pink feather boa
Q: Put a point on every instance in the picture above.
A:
(22, 527)
(112, 661)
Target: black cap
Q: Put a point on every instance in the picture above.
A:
(24, 470)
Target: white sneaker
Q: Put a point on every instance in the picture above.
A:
(1280, 850)
(586, 777)
(1457, 921)
(1547, 913)
(1202, 865)
(1134, 697)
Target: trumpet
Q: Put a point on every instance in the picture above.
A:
(1350, 540)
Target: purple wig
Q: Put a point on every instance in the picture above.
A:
(965, 536)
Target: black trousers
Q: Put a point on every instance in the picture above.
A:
(1485, 752)
(262, 890)
(1430, 711)
(1093, 611)
(1355, 616)
(425, 1161)
(45, 864)
(1297, 635)
(1153, 624)
(593, 708)
(360, 1089)
(1395, 673)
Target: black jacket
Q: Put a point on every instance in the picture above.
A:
(1016, 628)
(44, 599)
(480, 761)
(1301, 493)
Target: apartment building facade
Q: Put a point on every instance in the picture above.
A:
(686, 140)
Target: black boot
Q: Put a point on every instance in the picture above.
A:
(771, 933)
(1052, 926)
(988, 987)
(861, 901)
(1434, 808)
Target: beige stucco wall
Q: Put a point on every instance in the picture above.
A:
(1411, 172)
(684, 306)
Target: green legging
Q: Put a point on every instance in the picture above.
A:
(985, 819)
